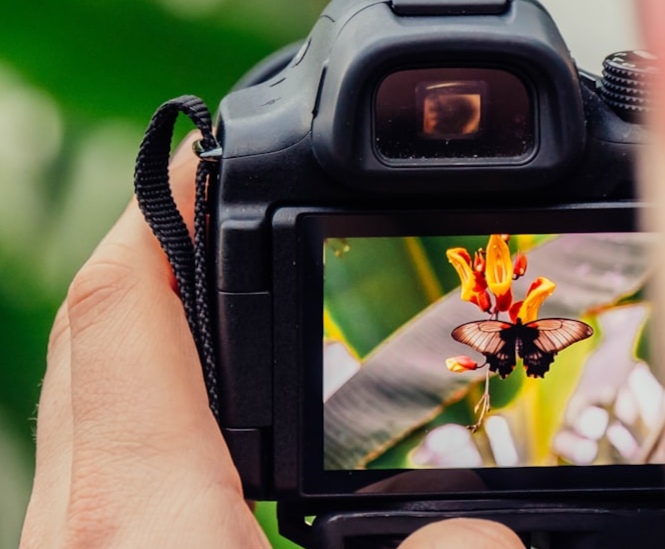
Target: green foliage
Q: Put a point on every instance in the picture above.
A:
(78, 83)
(118, 58)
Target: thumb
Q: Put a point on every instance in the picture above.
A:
(651, 14)
(463, 534)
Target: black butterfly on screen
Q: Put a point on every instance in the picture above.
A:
(536, 342)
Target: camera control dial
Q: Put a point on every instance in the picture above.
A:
(626, 85)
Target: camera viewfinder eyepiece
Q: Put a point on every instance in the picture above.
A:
(464, 114)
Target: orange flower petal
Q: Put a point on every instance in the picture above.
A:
(459, 364)
(514, 311)
(504, 301)
(499, 271)
(472, 283)
(479, 261)
(520, 266)
(460, 254)
(540, 289)
(484, 301)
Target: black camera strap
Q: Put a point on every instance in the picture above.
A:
(153, 190)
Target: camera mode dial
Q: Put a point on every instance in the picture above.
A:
(626, 85)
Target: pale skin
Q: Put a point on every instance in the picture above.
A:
(128, 453)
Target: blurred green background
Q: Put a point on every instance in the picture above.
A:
(79, 80)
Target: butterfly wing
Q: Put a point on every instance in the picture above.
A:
(555, 334)
(483, 335)
(494, 339)
(544, 338)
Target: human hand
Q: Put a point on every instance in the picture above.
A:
(652, 17)
(128, 452)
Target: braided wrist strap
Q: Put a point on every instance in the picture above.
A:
(187, 258)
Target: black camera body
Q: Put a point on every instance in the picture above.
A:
(399, 120)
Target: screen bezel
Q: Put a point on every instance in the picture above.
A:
(315, 481)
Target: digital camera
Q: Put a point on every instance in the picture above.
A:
(431, 282)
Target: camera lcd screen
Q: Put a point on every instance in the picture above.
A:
(489, 351)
